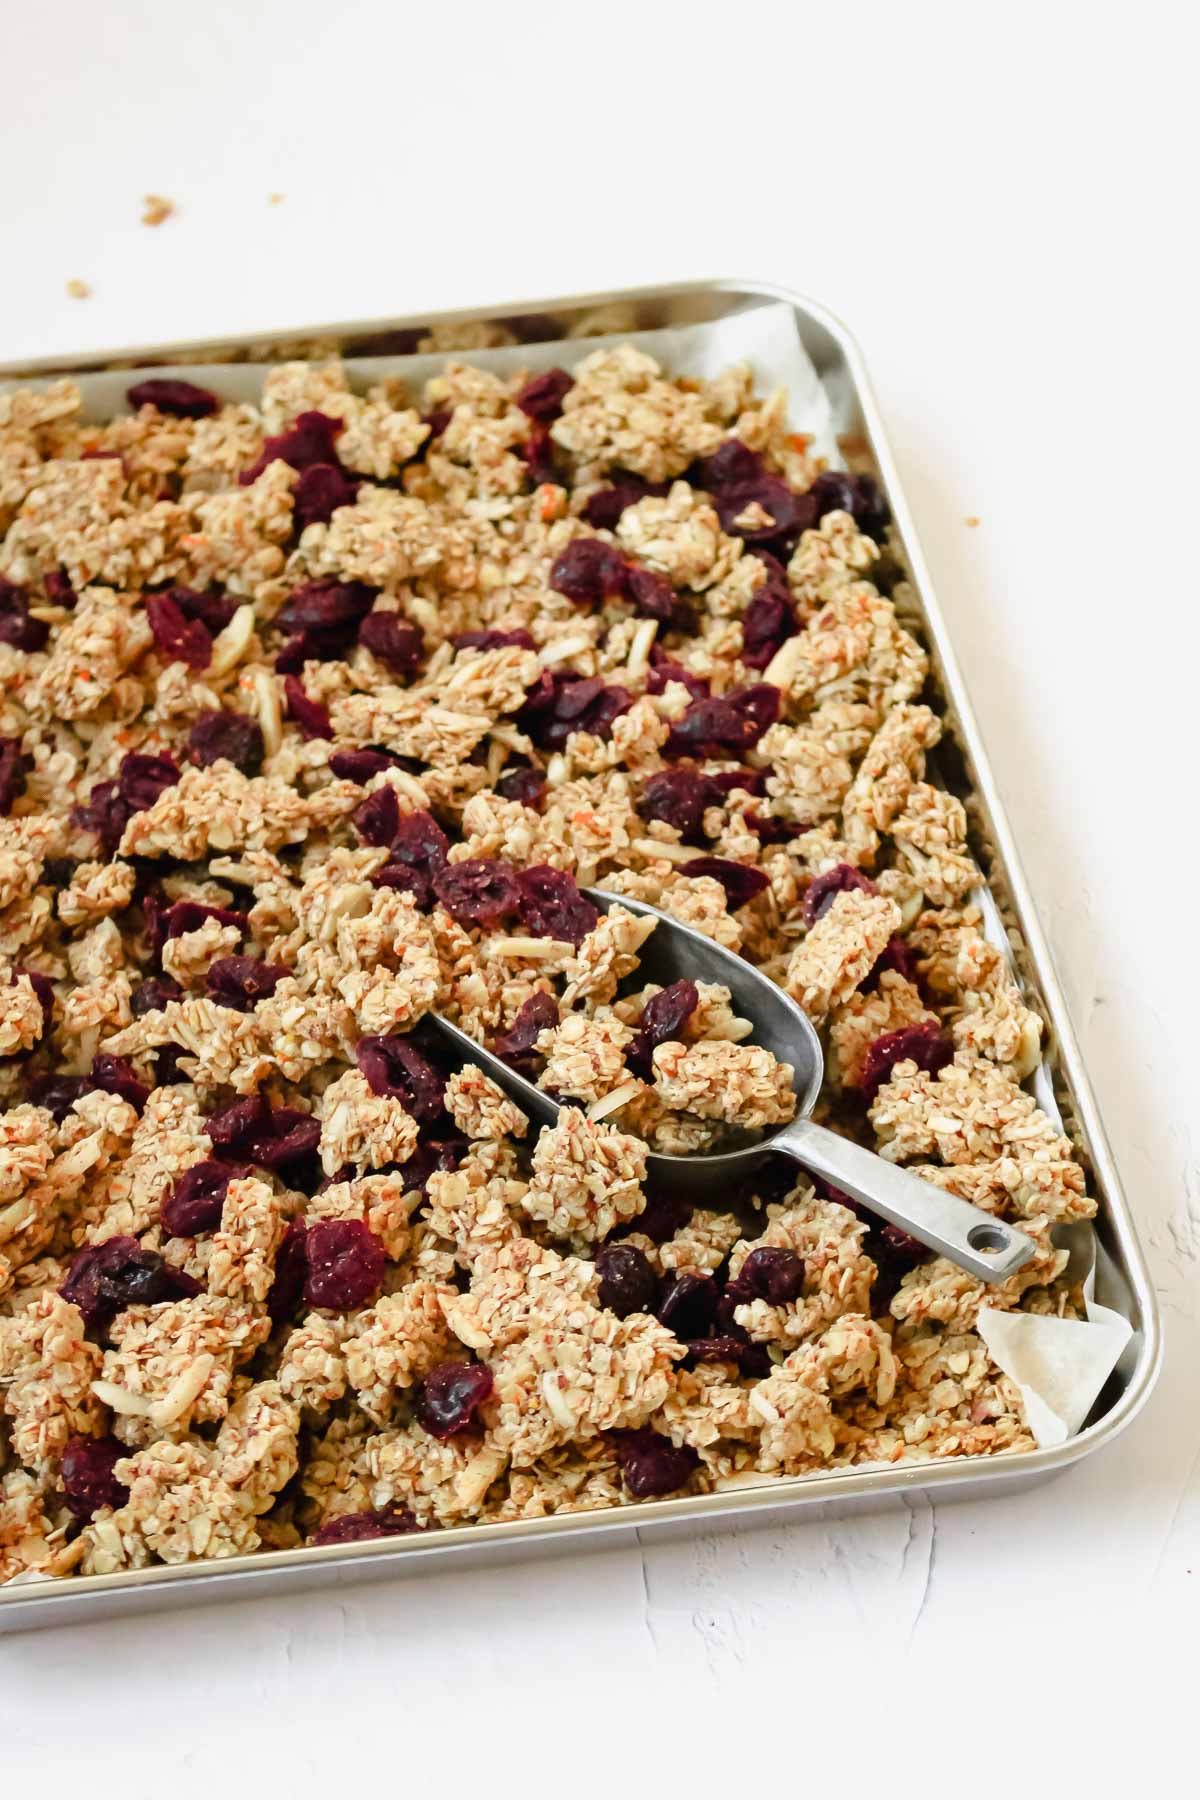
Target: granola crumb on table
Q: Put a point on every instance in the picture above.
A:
(316, 716)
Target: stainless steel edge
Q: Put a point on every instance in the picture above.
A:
(92, 1597)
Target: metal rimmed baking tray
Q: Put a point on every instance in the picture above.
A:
(1122, 1280)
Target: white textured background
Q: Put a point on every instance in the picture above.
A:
(998, 200)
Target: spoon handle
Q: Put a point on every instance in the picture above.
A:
(987, 1247)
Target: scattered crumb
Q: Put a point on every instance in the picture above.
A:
(78, 290)
(972, 519)
(275, 199)
(157, 208)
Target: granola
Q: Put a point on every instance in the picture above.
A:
(291, 756)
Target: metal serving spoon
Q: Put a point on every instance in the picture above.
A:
(986, 1247)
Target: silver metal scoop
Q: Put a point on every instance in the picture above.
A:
(988, 1248)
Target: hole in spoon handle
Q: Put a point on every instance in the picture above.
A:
(987, 1247)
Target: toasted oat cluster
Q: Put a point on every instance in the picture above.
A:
(318, 717)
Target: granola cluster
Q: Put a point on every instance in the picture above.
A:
(317, 717)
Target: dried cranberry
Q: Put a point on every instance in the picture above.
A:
(213, 611)
(361, 1527)
(537, 1014)
(251, 1130)
(734, 721)
(492, 640)
(228, 736)
(859, 495)
(561, 704)
(312, 718)
(180, 639)
(663, 1018)
(687, 1304)
(664, 669)
(479, 891)
(361, 765)
(397, 644)
(923, 1044)
(168, 1071)
(378, 818)
(653, 597)
(588, 571)
(153, 995)
(773, 1274)
(732, 464)
(345, 1264)
(240, 982)
(318, 493)
(603, 509)
(141, 779)
(680, 797)
(392, 1066)
(418, 851)
(309, 440)
(539, 456)
(787, 514)
(824, 889)
(770, 830)
(12, 773)
(106, 1278)
(16, 626)
(190, 915)
(770, 619)
(450, 1396)
(542, 397)
(57, 1093)
(896, 956)
(741, 882)
(729, 1347)
(552, 905)
(291, 1271)
(437, 422)
(179, 399)
(628, 1283)
(196, 1201)
(431, 1157)
(651, 1464)
(525, 784)
(325, 617)
(116, 1075)
(665, 1213)
(88, 1479)
(57, 588)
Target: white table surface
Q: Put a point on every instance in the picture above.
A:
(997, 201)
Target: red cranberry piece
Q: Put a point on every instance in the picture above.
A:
(195, 1202)
(741, 882)
(228, 736)
(769, 830)
(115, 1075)
(57, 1093)
(153, 995)
(450, 1396)
(561, 704)
(732, 464)
(16, 626)
(902, 1245)
(418, 850)
(733, 722)
(392, 1066)
(141, 779)
(326, 615)
(12, 773)
(604, 508)
(361, 765)
(397, 644)
(552, 905)
(628, 1283)
(431, 1156)
(651, 1464)
(538, 455)
(251, 1130)
(588, 571)
(309, 440)
(680, 797)
(106, 1278)
(492, 640)
(57, 588)
(922, 1044)
(665, 1214)
(824, 889)
(525, 784)
(665, 669)
(190, 915)
(773, 1274)
(321, 489)
(312, 718)
(769, 620)
(213, 611)
(88, 1480)
(240, 982)
(896, 955)
(360, 1527)
(687, 1305)
(291, 1271)
(542, 397)
(729, 1347)
(105, 813)
(859, 495)
(378, 818)
(480, 891)
(179, 639)
(539, 1013)
(179, 399)
(345, 1264)
(653, 597)
(663, 1018)
(788, 514)
(437, 422)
